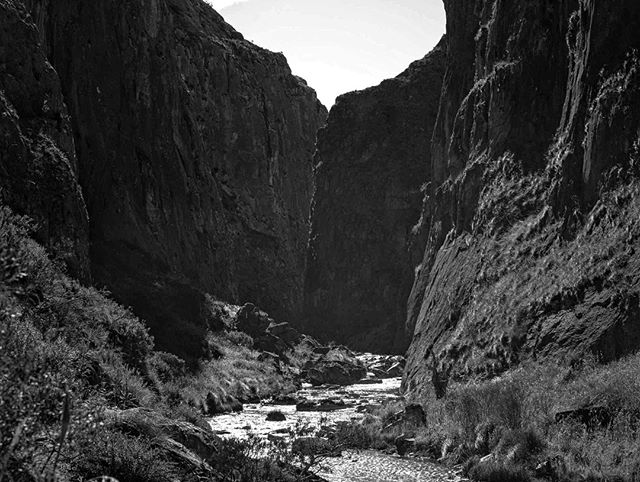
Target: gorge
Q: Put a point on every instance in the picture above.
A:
(478, 213)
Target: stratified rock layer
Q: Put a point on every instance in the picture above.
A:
(372, 159)
(38, 172)
(532, 220)
(195, 156)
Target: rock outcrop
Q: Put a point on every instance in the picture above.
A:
(531, 219)
(371, 162)
(38, 167)
(194, 149)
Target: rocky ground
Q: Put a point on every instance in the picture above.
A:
(337, 386)
(335, 405)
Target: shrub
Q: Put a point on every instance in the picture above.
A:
(124, 387)
(124, 457)
(239, 338)
(355, 435)
(245, 460)
(35, 379)
(166, 366)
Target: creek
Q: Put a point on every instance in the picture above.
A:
(352, 465)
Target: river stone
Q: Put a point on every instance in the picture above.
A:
(326, 405)
(369, 381)
(216, 403)
(335, 373)
(276, 416)
(285, 400)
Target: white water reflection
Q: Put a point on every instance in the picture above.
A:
(253, 420)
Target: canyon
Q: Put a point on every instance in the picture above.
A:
(477, 211)
(370, 167)
(524, 247)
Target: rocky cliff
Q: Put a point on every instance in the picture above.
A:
(371, 162)
(38, 165)
(532, 219)
(194, 152)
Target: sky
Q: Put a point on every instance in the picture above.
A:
(339, 46)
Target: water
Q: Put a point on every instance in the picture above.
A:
(252, 421)
(353, 465)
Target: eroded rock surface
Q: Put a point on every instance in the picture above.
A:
(38, 166)
(531, 219)
(372, 159)
(194, 149)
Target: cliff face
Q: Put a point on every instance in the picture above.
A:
(38, 168)
(531, 220)
(372, 159)
(194, 152)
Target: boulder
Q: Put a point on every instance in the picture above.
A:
(252, 320)
(326, 405)
(412, 416)
(286, 332)
(276, 416)
(217, 403)
(335, 373)
(284, 400)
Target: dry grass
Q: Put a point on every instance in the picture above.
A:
(237, 373)
(513, 418)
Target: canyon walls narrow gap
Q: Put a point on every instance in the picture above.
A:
(525, 245)
(371, 165)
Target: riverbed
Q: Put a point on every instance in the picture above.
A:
(352, 465)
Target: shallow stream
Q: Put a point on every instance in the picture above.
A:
(352, 465)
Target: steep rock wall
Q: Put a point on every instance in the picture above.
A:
(195, 156)
(372, 159)
(532, 220)
(38, 169)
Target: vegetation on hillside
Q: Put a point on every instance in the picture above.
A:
(539, 422)
(83, 393)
